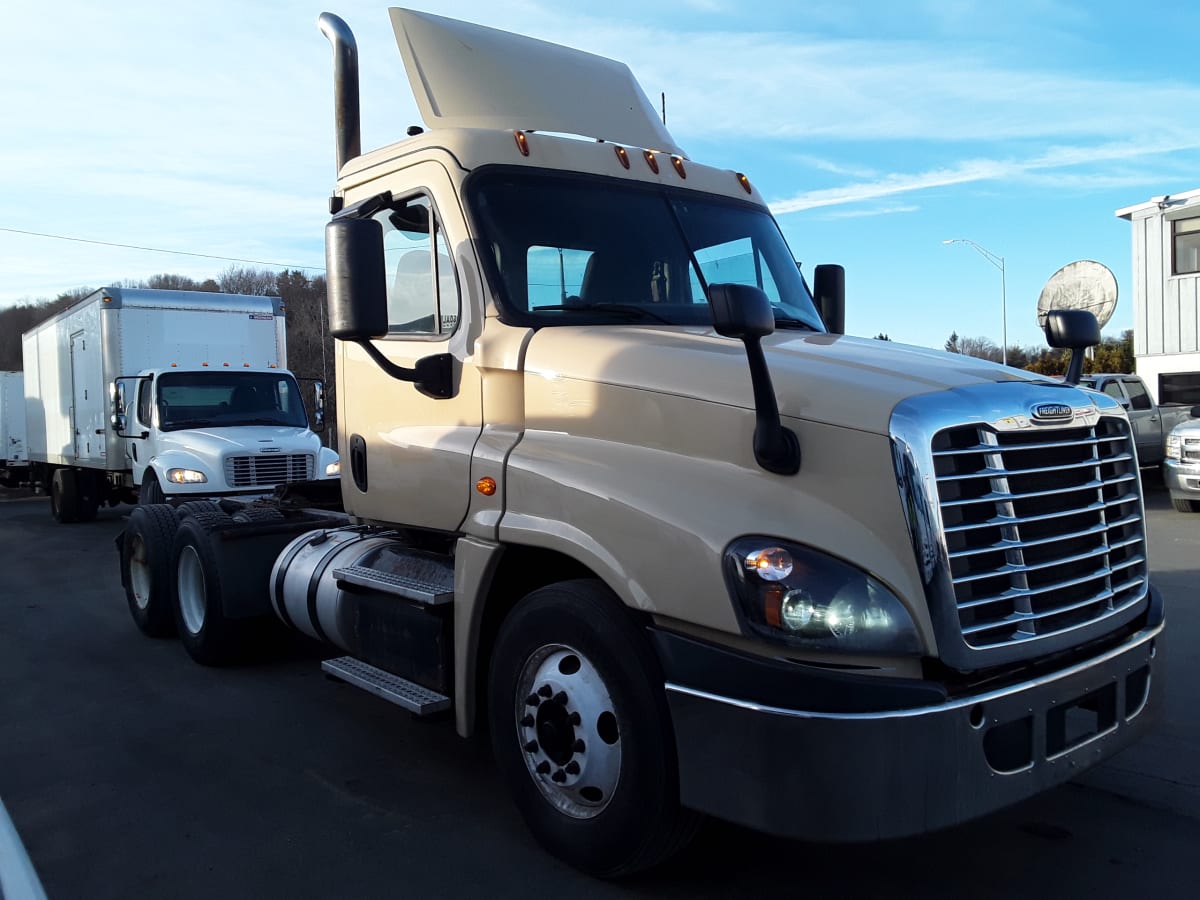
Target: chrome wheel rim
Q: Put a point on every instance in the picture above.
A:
(193, 599)
(139, 573)
(567, 730)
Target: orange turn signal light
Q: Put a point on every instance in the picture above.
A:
(486, 486)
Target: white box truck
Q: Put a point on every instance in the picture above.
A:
(14, 458)
(164, 395)
(622, 494)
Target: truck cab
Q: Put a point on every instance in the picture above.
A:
(217, 432)
(619, 493)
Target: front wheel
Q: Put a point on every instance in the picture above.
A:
(151, 491)
(581, 731)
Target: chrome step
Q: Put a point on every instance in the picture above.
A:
(430, 593)
(401, 691)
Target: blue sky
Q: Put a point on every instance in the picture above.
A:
(875, 130)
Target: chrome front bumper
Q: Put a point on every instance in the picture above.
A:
(856, 776)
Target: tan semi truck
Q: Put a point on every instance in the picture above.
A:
(618, 492)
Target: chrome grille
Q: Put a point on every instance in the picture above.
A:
(1043, 528)
(266, 470)
(1191, 450)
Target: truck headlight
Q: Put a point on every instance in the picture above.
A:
(186, 476)
(334, 469)
(1173, 446)
(804, 598)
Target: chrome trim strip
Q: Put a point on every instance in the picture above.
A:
(1134, 643)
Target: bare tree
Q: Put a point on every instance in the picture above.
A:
(246, 280)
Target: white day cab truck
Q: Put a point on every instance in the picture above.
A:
(14, 457)
(619, 493)
(164, 395)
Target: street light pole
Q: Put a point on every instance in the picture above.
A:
(998, 262)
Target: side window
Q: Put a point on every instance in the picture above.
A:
(1113, 389)
(1138, 398)
(422, 290)
(145, 402)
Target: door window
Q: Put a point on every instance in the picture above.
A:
(422, 290)
(1138, 398)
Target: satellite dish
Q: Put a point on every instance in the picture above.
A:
(1082, 284)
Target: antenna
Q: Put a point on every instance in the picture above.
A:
(1083, 284)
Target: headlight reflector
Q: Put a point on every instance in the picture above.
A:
(815, 601)
(186, 476)
(334, 469)
(1173, 446)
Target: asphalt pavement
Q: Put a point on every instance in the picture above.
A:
(131, 772)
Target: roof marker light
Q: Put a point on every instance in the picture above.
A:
(622, 156)
(677, 162)
(651, 161)
(245, 365)
(204, 364)
(226, 365)
(522, 142)
(745, 182)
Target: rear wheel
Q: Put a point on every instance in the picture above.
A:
(64, 496)
(209, 637)
(581, 731)
(146, 561)
(1183, 504)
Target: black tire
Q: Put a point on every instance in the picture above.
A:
(64, 496)
(146, 570)
(191, 507)
(257, 514)
(88, 487)
(209, 637)
(555, 734)
(1183, 504)
(151, 491)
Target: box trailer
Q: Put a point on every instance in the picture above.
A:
(164, 395)
(14, 458)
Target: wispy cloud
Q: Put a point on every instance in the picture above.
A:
(976, 170)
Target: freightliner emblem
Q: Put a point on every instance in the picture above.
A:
(1052, 412)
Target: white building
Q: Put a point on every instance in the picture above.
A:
(1166, 294)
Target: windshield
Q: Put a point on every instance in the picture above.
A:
(573, 251)
(220, 399)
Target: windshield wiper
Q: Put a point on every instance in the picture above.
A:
(629, 310)
(241, 422)
(789, 322)
(189, 423)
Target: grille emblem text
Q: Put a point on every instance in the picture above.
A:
(1052, 412)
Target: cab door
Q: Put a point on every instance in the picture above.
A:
(406, 456)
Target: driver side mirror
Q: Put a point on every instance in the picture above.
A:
(356, 279)
(1076, 329)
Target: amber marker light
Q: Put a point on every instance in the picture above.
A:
(486, 486)
(677, 162)
(522, 142)
(745, 183)
(622, 156)
(651, 161)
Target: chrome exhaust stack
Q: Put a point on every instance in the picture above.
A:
(347, 130)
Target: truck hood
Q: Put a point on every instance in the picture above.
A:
(832, 379)
(215, 443)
